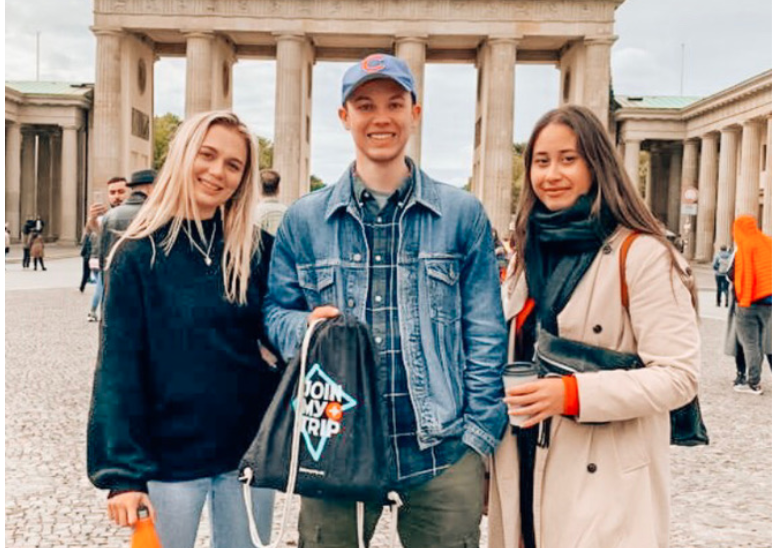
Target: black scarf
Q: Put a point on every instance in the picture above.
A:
(560, 247)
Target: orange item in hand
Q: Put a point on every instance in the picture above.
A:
(144, 535)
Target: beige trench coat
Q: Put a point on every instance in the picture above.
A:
(607, 485)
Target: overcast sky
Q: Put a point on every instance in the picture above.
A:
(725, 42)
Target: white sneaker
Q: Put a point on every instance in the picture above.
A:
(91, 317)
(748, 389)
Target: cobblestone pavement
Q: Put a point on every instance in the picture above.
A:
(721, 493)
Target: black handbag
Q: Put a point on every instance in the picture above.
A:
(556, 356)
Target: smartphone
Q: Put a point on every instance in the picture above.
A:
(98, 197)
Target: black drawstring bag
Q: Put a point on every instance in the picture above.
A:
(341, 443)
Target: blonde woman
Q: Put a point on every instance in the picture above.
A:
(180, 386)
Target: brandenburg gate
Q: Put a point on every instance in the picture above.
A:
(576, 36)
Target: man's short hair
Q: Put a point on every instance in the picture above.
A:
(116, 180)
(270, 181)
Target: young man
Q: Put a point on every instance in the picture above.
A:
(412, 258)
(269, 211)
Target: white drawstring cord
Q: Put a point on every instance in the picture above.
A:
(397, 502)
(294, 450)
(392, 496)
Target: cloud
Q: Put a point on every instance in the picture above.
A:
(638, 72)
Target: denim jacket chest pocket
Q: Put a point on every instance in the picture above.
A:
(317, 283)
(443, 277)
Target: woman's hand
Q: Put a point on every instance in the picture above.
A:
(122, 508)
(538, 400)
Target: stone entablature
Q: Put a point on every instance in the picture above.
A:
(576, 36)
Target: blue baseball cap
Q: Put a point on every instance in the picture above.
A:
(374, 67)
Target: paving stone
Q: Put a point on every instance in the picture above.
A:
(721, 494)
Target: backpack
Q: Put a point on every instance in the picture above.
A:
(724, 263)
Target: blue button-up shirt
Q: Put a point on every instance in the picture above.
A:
(412, 465)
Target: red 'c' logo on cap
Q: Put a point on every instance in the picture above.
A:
(373, 63)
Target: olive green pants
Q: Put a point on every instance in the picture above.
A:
(444, 512)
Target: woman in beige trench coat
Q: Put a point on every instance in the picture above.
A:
(600, 475)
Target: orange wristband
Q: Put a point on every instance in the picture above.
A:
(571, 402)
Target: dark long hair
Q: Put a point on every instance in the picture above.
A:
(610, 185)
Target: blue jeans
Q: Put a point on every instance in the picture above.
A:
(179, 507)
(97, 298)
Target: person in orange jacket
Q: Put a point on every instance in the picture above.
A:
(752, 284)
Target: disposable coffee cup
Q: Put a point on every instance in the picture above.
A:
(515, 374)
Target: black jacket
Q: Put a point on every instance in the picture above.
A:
(116, 221)
(180, 386)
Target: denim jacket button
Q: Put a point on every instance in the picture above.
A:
(357, 257)
(351, 302)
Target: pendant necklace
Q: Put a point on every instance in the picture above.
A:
(206, 255)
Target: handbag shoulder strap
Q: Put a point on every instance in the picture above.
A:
(622, 268)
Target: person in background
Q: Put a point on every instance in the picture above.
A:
(27, 233)
(117, 193)
(269, 211)
(180, 387)
(37, 250)
(720, 264)
(752, 284)
(597, 475)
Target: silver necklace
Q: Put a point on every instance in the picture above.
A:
(206, 255)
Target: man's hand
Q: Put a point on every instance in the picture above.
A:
(322, 312)
(122, 508)
(95, 211)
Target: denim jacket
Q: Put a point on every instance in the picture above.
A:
(452, 329)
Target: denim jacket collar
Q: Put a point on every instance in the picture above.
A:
(424, 192)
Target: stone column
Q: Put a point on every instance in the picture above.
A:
(748, 185)
(289, 118)
(198, 72)
(632, 161)
(28, 177)
(412, 49)
(724, 219)
(708, 178)
(689, 180)
(68, 229)
(596, 81)
(108, 134)
(673, 190)
(13, 179)
(658, 183)
(497, 168)
(43, 198)
(767, 182)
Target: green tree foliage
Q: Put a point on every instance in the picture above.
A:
(315, 183)
(265, 153)
(164, 128)
(518, 174)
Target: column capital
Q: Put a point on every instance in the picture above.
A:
(70, 127)
(710, 136)
(632, 140)
(209, 35)
(107, 31)
(291, 36)
(499, 39)
(603, 40)
(752, 122)
(409, 37)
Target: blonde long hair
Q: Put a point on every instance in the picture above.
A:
(173, 199)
